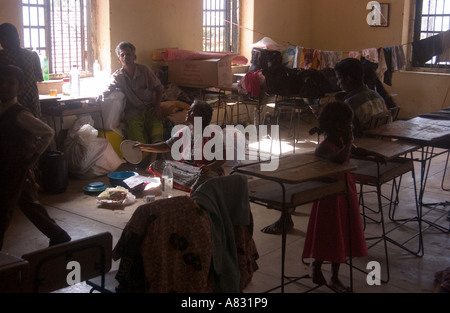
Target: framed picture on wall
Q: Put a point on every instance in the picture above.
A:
(379, 15)
(384, 14)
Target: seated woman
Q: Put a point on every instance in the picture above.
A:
(190, 172)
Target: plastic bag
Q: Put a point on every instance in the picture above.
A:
(117, 196)
(268, 44)
(112, 110)
(87, 155)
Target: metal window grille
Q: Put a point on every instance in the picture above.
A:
(61, 31)
(432, 18)
(220, 25)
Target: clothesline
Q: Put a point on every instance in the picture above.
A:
(291, 44)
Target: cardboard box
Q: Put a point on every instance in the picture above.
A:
(201, 73)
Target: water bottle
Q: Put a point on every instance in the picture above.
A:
(66, 87)
(45, 68)
(96, 69)
(167, 181)
(74, 82)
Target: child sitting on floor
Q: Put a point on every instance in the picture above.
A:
(191, 172)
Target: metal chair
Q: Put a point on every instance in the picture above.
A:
(370, 173)
(296, 105)
(49, 268)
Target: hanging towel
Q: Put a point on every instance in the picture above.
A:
(354, 54)
(398, 58)
(371, 55)
(330, 58)
(298, 57)
(382, 66)
(388, 59)
(317, 59)
(307, 58)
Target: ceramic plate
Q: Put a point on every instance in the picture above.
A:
(130, 153)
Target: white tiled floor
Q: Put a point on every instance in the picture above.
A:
(80, 215)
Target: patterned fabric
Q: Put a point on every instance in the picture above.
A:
(166, 247)
(365, 104)
(30, 64)
(186, 177)
(246, 252)
(227, 203)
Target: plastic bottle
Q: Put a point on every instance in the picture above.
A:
(45, 68)
(255, 117)
(167, 181)
(74, 82)
(66, 87)
(96, 68)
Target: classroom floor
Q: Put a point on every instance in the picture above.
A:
(80, 216)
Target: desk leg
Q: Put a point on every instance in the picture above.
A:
(428, 154)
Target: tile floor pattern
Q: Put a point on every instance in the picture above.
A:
(79, 214)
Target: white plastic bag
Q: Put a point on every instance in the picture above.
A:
(268, 44)
(112, 109)
(87, 155)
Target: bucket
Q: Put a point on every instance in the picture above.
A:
(53, 172)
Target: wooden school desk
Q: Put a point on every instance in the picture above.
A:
(59, 107)
(299, 179)
(374, 173)
(431, 135)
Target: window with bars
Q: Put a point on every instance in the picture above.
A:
(220, 25)
(61, 31)
(432, 18)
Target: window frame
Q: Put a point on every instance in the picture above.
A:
(83, 23)
(416, 35)
(230, 25)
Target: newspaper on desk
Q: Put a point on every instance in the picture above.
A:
(139, 180)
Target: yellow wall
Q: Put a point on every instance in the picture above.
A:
(101, 23)
(11, 12)
(286, 22)
(155, 24)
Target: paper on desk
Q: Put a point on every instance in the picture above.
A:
(137, 180)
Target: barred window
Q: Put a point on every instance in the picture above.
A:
(61, 31)
(432, 18)
(220, 25)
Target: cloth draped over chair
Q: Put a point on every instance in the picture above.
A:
(166, 247)
(226, 201)
(201, 243)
